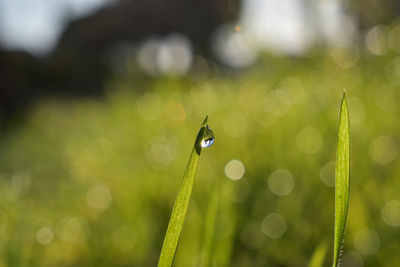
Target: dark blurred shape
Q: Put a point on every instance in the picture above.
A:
(21, 75)
(78, 65)
(370, 12)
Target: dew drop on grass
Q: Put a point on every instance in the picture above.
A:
(207, 142)
(208, 138)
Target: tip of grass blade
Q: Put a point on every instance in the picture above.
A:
(343, 106)
(205, 137)
(181, 204)
(204, 124)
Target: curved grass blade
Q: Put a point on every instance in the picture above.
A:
(205, 138)
(342, 181)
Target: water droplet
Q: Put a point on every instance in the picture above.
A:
(208, 138)
(207, 142)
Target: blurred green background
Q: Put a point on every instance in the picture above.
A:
(91, 181)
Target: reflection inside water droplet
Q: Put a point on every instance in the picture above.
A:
(208, 138)
(207, 142)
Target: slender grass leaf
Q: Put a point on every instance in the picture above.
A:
(205, 138)
(317, 259)
(342, 181)
(223, 249)
(209, 228)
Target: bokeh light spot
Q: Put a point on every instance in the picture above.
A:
(345, 55)
(273, 225)
(159, 154)
(99, 198)
(72, 230)
(281, 182)
(45, 235)
(367, 241)
(175, 55)
(233, 48)
(309, 140)
(147, 56)
(390, 213)
(170, 56)
(234, 169)
(175, 111)
(327, 174)
(376, 41)
(383, 149)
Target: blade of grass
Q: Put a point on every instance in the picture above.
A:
(223, 249)
(209, 228)
(342, 181)
(317, 259)
(204, 138)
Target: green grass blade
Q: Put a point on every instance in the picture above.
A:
(204, 138)
(209, 228)
(317, 259)
(342, 181)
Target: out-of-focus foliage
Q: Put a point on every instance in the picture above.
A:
(92, 182)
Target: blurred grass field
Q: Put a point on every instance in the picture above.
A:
(92, 182)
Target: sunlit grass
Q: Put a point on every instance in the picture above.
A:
(135, 142)
(342, 181)
(204, 138)
(209, 228)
